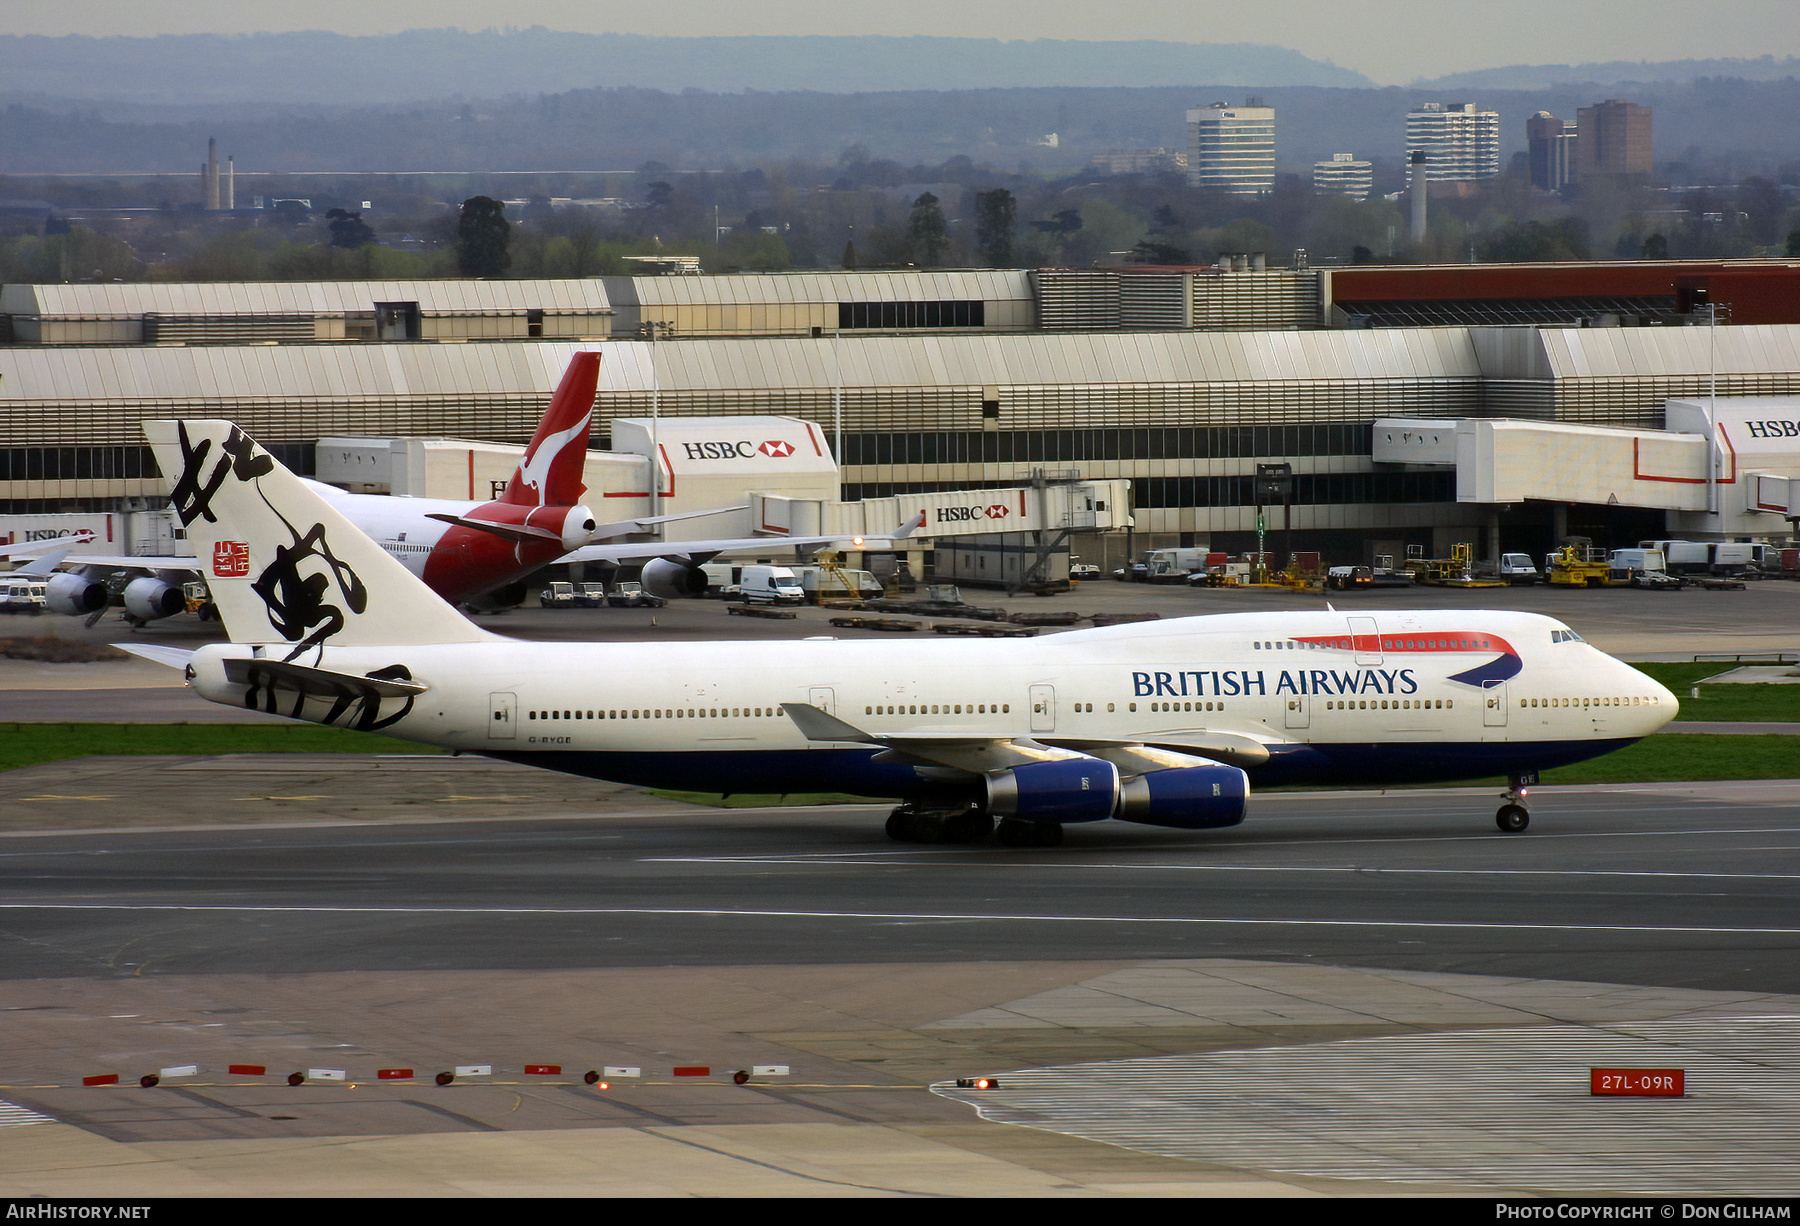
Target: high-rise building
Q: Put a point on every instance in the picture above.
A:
(1615, 139)
(1551, 144)
(1232, 148)
(1343, 175)
(1459, 140)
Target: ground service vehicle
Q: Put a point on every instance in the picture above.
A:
(770, 585)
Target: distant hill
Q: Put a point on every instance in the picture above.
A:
(1615, 72)
(323, 68)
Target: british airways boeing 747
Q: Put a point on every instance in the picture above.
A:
(1166, 723)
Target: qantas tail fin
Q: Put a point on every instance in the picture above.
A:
(550, 473)
(284, 566)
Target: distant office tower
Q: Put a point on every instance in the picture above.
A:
(1551, 143)
(1138, 161)
(1343, 175)
(1232, 148)
(1615, 139)
(1458, 141)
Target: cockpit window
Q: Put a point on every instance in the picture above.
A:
(1565, 636)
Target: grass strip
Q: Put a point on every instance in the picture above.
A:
(1729, 702)
(33, 744)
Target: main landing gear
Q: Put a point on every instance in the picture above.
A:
(1512, 816)
(920, 824)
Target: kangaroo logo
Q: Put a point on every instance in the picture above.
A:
(534, 469)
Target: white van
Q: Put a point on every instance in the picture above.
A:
(770, 585)
(838, 583)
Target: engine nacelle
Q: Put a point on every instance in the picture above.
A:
(148, 599)
(577, 528)
(1192, 798)
(1070, 790)
(74, 595)
(672, 580)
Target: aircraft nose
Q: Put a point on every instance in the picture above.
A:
(1659, 705)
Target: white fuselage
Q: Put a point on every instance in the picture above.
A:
(1330, 699)
(398, 525)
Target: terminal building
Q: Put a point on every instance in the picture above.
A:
(1060, 381)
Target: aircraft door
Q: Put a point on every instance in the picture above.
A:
(1366, 640)
(501, 712)
(1298, 714)
(822, 697)
(1493, 704)
(1043, 708)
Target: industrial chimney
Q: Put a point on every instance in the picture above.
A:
(1416, 187)
(210, 188)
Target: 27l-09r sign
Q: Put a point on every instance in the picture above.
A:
(1637, 1082)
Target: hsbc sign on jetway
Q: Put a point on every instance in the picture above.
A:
(742, 449)
(1083, 506)
(1001, 512)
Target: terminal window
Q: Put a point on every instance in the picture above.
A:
(946, 314)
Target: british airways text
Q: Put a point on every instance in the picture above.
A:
(1210, 684)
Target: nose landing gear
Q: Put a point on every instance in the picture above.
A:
(1512, 817)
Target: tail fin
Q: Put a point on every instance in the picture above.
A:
(912, 525)
(550, 473)
(284, 566)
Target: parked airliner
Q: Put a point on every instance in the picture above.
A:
(470, 553)
(1166, 723)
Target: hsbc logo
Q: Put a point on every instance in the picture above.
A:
(957, 515)
(745, 450)
(231, 559)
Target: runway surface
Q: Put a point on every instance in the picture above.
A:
(1649, 885)
(338, 913)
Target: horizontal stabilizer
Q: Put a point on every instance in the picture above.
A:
(318, 682)
(510, 532)
(171, 657)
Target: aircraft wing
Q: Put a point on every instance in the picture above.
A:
(693, 553)
(978, 755)
(43, 564)
(625, 527)
(30, 549)
(126, 562)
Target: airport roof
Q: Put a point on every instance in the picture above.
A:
(238, 298)
(987, 284)
(183, 377)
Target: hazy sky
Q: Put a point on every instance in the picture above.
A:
(1393, 41)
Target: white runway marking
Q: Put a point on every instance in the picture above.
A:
(12, 1115)
(1358, 869)
(891, 916)
(1502, 1109)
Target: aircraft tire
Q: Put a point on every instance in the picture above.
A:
(1030, 834)
(968, 826)
(1512, 819)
